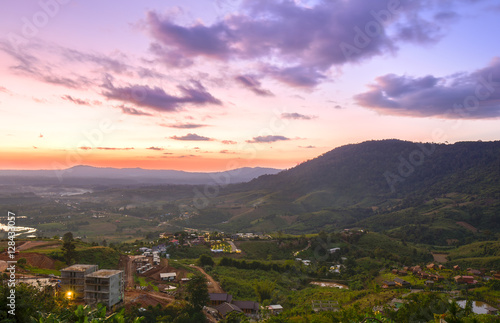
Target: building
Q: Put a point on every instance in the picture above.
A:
(275, 309)
(491, 310)
(248, 307)
(168, 276)
(73, 280)
(217, 299)
(225, 308)
(401, 282)
(104, 286)
(465, 279)
(388, 284)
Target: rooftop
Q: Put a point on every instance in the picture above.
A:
(220, 297)
(104, 273)
(78, 267)
(226, 308)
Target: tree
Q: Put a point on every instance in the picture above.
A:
(205, 260)
(198, 292)
(264, 290)
(68, 247)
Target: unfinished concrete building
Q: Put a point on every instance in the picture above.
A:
(104, 286)
(73, 280)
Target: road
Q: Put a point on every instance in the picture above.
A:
(213, 286)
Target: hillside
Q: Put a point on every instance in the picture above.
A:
(432, 193)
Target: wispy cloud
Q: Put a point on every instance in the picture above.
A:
(297, 116)
(229, 142)
(133, 111)
(156, 98)
(191, 137)
(250, 82)
(156, 148)
(75, 100)
(104, 148)
(267, 139)
(183, 125)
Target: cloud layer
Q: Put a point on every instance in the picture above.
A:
(297, 44)
(467, 95)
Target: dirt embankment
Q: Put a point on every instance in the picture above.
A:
(34, 259)
(213, 286)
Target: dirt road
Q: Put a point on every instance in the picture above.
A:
(213, 286)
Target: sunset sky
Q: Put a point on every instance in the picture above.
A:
(214, 85)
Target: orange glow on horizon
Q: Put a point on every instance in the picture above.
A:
(42, 159)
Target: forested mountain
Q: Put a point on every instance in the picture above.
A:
(421, 190)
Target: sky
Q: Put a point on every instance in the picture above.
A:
(216, 85)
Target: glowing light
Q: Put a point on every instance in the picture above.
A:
(69, 294)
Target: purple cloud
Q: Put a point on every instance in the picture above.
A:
(296, 116)
(267, 139)
(133, 111)
(155, 148)
(308, 39)
(229, 142)
(251, 83)
(191, 137)
(184, 125)
(157, 99)
(75, 100)
(461, 96)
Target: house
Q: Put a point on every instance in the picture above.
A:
(491, 310)
(388, 284)
(394, 271)
(73, 279)
(474, 272)
(401, 282)
(465, 279)
(424, 275)
(429, 283)
(225, 308)
(104, 286)
(456, 267)
(441, 267)
(436, 277)
(275, 309)
(248, 307)
(333, 250)
(431, 266)
(217, 299)
(496, 276)
(168, 276)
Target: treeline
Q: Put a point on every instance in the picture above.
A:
(242, 264)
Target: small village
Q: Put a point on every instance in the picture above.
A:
(150, 277)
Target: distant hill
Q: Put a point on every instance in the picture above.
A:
(421, 191)
(88, 176)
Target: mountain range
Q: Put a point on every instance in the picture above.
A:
(88, 176)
